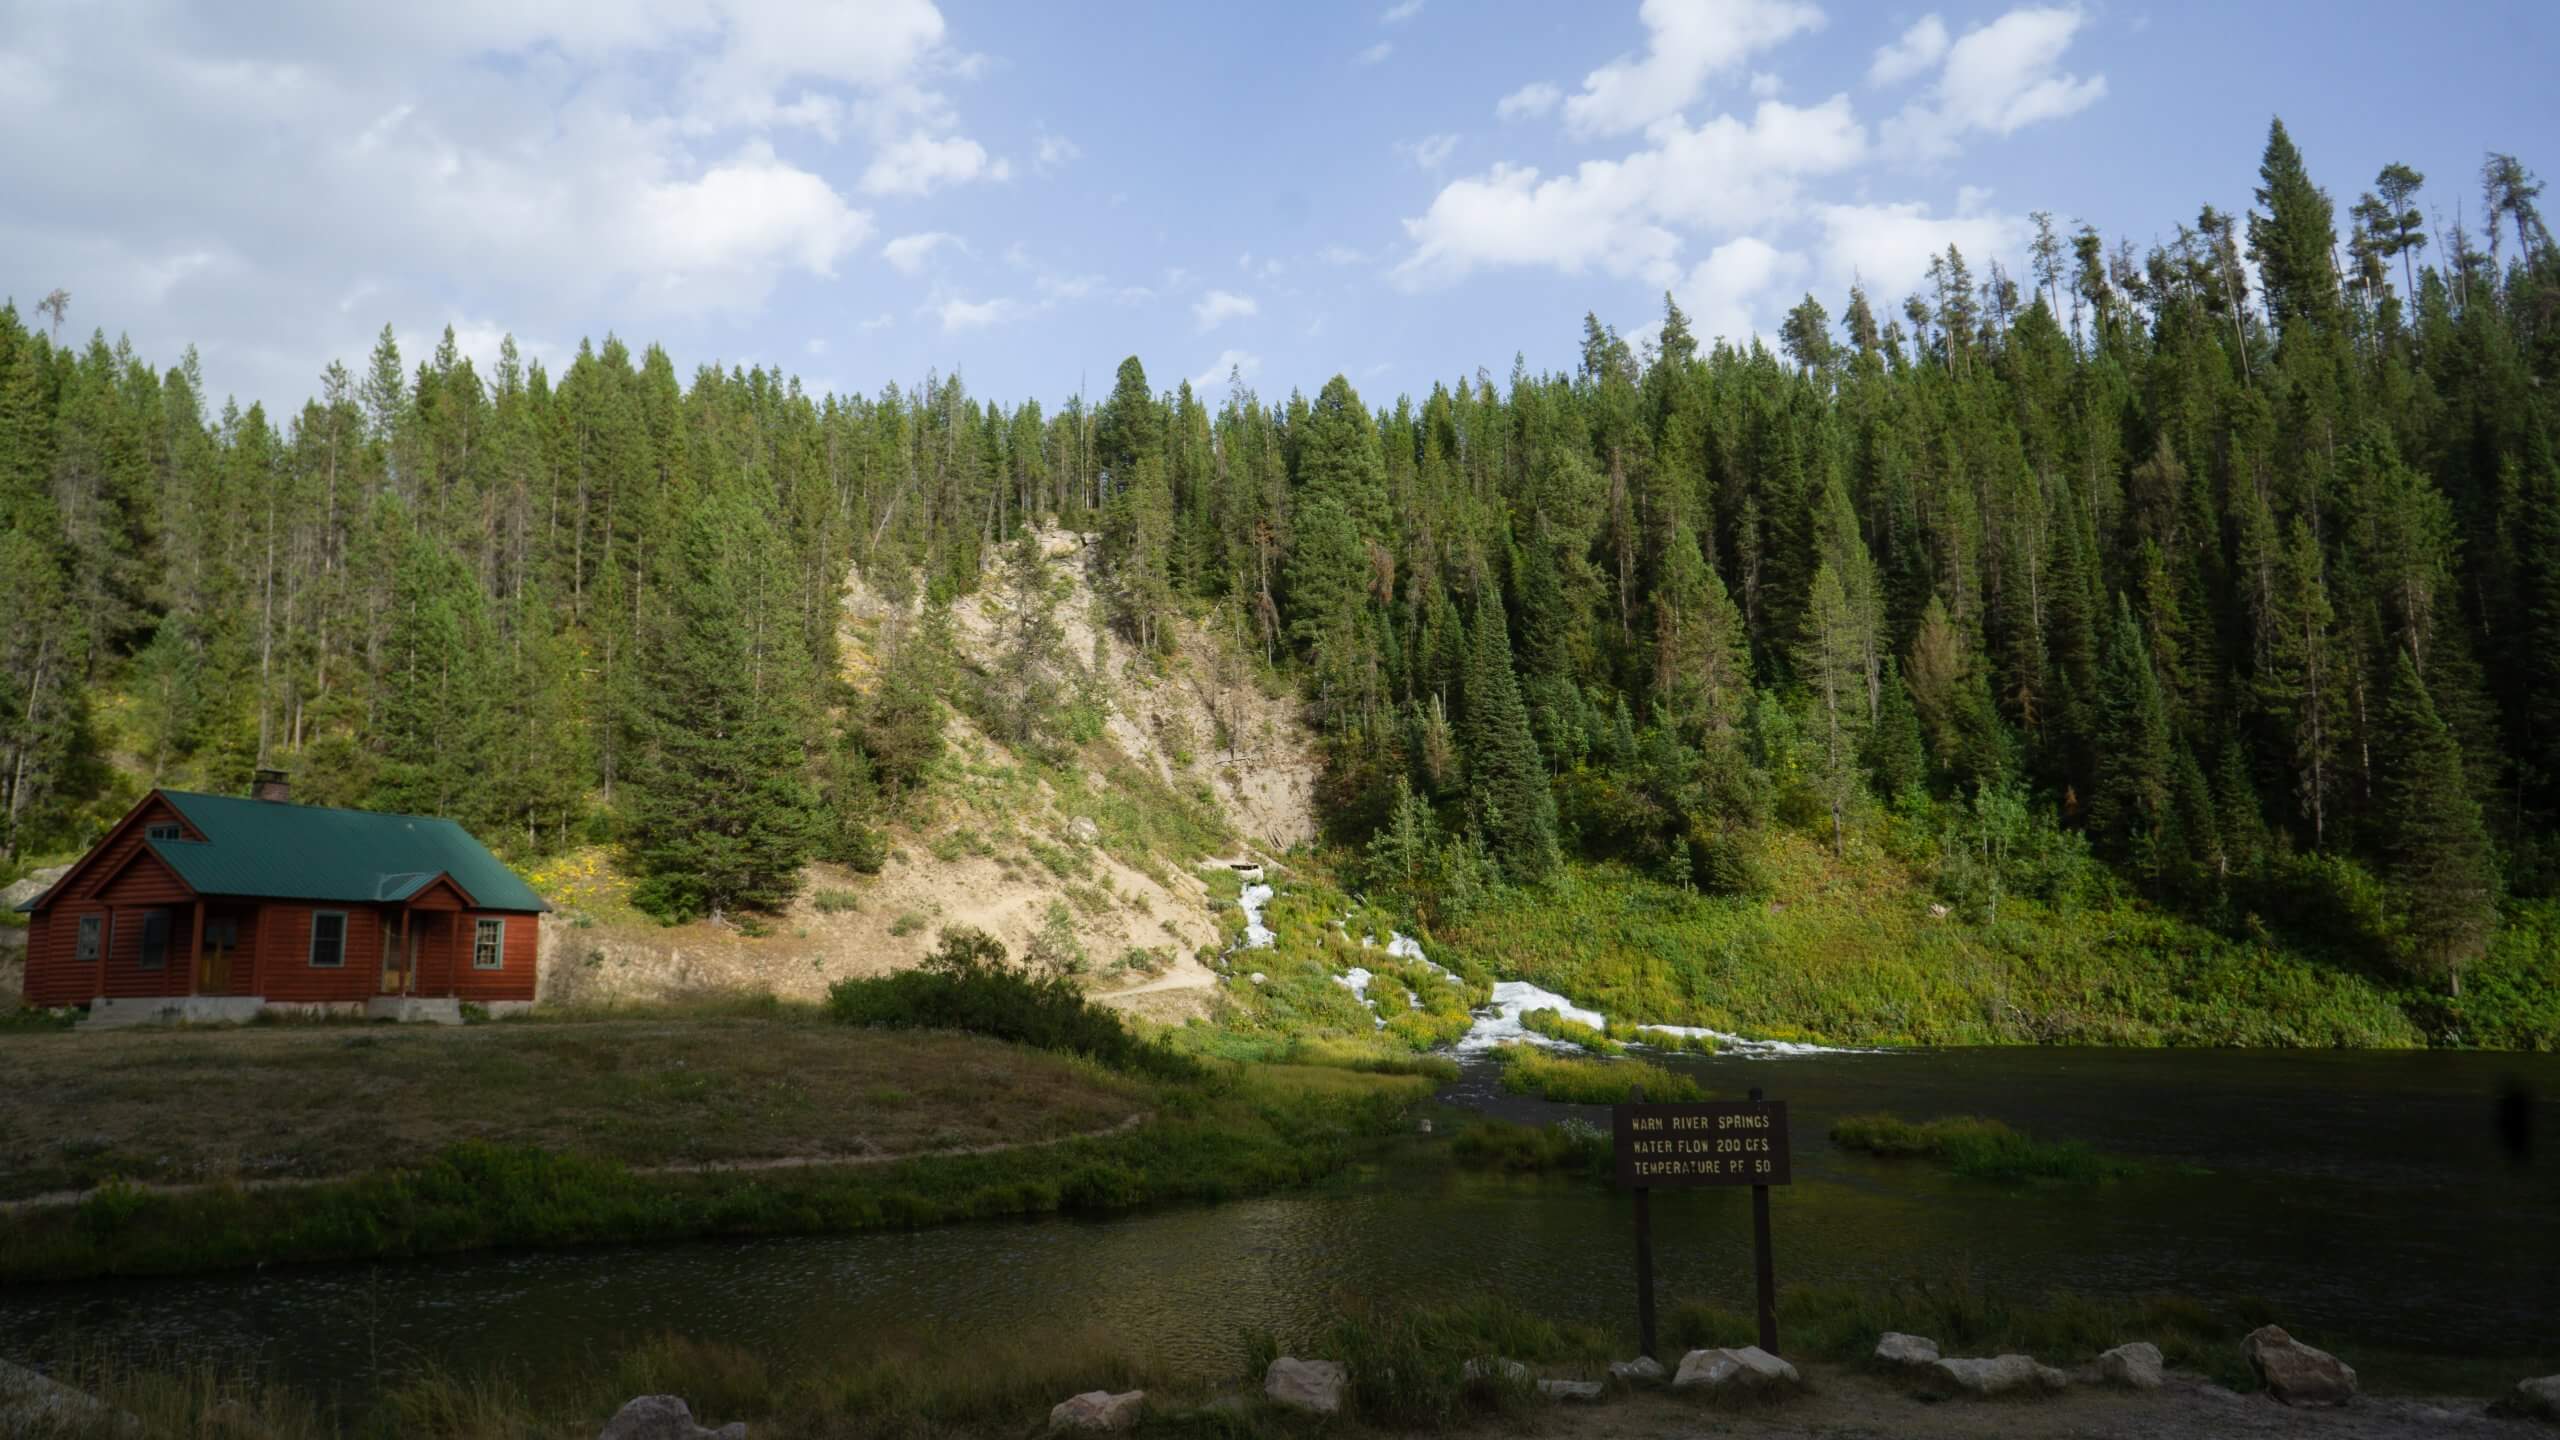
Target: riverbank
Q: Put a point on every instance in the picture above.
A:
(217, 1148)
(1463, 1370)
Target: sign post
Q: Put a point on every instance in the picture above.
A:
(1696, 1145)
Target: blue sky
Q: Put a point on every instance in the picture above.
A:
(862, 192)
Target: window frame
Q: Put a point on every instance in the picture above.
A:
(498, 951)
(311, 951)
(164, 830)
(89, 942)
(143, 959)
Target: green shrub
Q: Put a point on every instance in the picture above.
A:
(966, 985)
(836, 902)
(1978, 1149)
(907, 923)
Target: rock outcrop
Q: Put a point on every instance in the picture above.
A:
(1314, 1386)
(1746, 1369)
(2295, 1373)
(1585, 1391)
(1999, 1375)
(1098, 1410)
(2133, 1367)
(1912, 1351)
(1642, 1370)
(664, 1417)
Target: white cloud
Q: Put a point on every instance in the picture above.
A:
(1686, 42)
(1052, 151)
(1374, 53)
(1341, 255)
(1724, 293)
(815, 346)
(1229, 362)
(1887, 247)
(908, 253)
(754, 212)
(1916, 53)
(1528, 102)
(1766, 85)
(1400, 12)
(1997, 80)
(881, 321)
(1430, 152)
(920, 164)
(1220, 306)
(958, 314)
(1620, 215)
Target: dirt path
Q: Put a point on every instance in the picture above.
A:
(706, 1167)
(1850, 1405)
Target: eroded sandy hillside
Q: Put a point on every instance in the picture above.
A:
(1097, 855)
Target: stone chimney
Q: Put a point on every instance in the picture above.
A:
(272, 787)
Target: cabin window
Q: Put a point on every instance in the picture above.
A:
(328, 939)
(221, 934)
(155, 940)
(91, 926)
(165, 832)
(489, 945)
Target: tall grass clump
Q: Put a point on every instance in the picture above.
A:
(966, 985)
(1979, 1149)
(1574, 1146)
(1528, 1070)
(1408, 1367)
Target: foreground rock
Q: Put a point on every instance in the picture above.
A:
(2296, 1373)
(1999, 1375)
(1582, 1390)
(1314, 1386)
(1098, 1410)
(664, 1417)
(30, 1404)
(1493, 1368)
(1642, 1370)
(1747, 1369)
(2533, 1399)
(2134, 1367)
(1913, 1351)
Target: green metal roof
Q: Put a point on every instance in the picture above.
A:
(312, 852)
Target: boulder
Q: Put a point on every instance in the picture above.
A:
(1896, 1348)
(1748, 1368)
(2533, 1399)
(2296, 1373)
(34, 883)
(1642, 1370)
(1084, 830)
(1314, 1386)
(1493, 1368)
(1258, 978)
(1999, 1375)
(2135, 1366)
(1582, 1390)
(664, 1417)
(1098, 1410)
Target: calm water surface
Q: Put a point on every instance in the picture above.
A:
(2364, 1196)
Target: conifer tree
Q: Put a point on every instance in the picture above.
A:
(2435, 850)
(1503, 769)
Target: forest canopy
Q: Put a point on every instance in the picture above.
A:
(2231, 573)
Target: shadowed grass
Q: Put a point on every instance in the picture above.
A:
(1979, 1149)
(1528, 1070)
(1573, 1146)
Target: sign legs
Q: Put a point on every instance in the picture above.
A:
(1765, 1264)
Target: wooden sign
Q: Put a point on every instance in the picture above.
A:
(1737, 1142)
(1719, 1142)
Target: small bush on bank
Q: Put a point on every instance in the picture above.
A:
(1979, 1149)
(966, 985)
(1528, 1070)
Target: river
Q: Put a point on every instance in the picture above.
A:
(2363, 1196)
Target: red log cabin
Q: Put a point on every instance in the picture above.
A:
(217, 907)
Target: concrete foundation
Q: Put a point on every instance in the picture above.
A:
(115, 1012)
(415, 1009)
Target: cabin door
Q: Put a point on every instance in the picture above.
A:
(399, 954)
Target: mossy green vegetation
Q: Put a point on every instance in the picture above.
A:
(966, 984)
(1556, 1025)
(1529, 1070)
(1979, 1149)
(1858, 950)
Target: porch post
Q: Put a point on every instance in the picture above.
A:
(195, 953)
